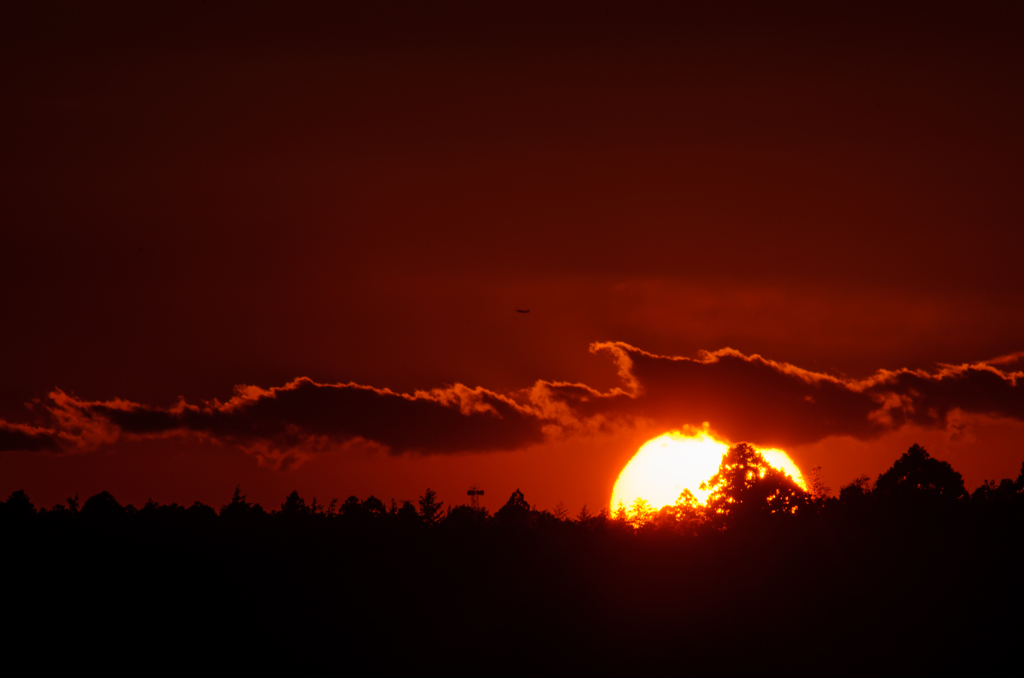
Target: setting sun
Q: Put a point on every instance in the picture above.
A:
(673, 462)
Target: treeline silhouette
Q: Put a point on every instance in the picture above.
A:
(910, 572)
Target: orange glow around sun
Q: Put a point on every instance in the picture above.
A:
(675, 461)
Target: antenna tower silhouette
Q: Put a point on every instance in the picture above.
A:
(474, 497)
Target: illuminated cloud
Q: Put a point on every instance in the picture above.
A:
(304, 416)
(768, 402)
(20, 437)
(745, 397)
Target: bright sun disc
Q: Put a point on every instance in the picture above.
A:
(665, 466)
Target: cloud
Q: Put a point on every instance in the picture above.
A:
(748, 397)
(744, 397)
(20, 437)
(304, 416)
(991, 388)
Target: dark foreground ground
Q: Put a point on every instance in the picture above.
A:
(864, 591)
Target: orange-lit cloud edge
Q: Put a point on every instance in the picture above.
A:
(768, 403)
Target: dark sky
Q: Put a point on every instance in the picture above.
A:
(202, 195)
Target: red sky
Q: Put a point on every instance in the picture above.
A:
(198, 196)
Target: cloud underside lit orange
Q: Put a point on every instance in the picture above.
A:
(768, 403)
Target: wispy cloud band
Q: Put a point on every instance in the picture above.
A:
(745, 397)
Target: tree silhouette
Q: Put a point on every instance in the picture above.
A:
(200, 514)
(462, 517)
(990, 492)
(516, 510)
(374, 507)
(819, 490)
(747, 486)
(641, 513)
(294, 507)
(917, 478)
(912, 589)
(856, 494)
(238, 510)
(237, 506)
(102, 507)
(430, 508)
(621, 515)
(18, 506)
(687, 513)
(407, 516)
(351, 508)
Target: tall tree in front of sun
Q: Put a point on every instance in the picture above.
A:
(747, 487)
